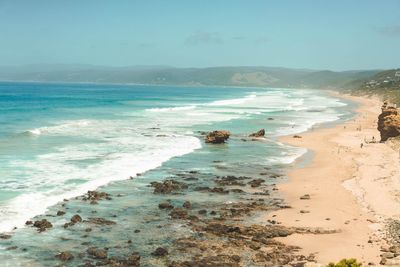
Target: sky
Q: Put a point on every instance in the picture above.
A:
(313, 34)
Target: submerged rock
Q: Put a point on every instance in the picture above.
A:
(217, 137)
(389, 123)
(260, 133)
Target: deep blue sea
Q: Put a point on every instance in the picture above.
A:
(57, 141)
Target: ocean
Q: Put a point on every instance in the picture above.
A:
(57, 141)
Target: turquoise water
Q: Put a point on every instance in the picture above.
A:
(57, 141)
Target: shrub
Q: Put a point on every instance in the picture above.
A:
(345, 263)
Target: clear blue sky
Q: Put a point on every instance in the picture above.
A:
(318, 34)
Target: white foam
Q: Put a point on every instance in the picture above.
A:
(53, 170)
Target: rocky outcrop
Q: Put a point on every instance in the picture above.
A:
(42, 225)
(260, 133)
(217, 137)
(168, 186)
(389, 122)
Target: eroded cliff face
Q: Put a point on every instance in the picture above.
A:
(389, 122)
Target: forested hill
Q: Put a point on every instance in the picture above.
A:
(164, 75)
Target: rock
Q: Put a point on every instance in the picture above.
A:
(94, 196)
(187, 205)
(65, 256)
(101, 221)
(60, 213)
(160, 252)
(76, 218)
(202, 212)
(179, 213)
(42, 225)
(305, 197)
(165, 206)
(296, 136)
(12, 248)
(167, 186)
(231, 180)
(256, 182)
(97, 253)
(217, 137)
(133, 260)
(28, 222)
(304, 211)
(260, 133)
(388, 123)
(4, 236)
(218, 190)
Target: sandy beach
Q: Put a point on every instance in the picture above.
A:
(352, 189)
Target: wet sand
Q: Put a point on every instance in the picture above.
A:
(352, 189)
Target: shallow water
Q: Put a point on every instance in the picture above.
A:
(58, 141)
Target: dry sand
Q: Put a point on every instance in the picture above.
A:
(353, 190)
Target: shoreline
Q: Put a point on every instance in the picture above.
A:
(346, 199)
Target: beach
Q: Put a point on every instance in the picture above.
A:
(252, 200)
(348, 187)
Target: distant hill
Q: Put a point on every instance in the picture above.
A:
(165, 75)
(385, 83)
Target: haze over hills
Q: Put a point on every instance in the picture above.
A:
(166, 75)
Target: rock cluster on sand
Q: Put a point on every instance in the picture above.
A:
(217, 137)
(260, 133)
(389, 122)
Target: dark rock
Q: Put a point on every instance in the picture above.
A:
(256, 182)
(101, 221)
(305, 197)
(160, 252)
(65, 256)
(237, 190)
(187, 205)
(165, 205)
(260, 133)
(94, 196)
(76, 218)
(297, 136)
(60, 213)
(218, 190)
(168, 186)
(179, 213)
(28, 222)
(217, 137)
(202, 212)
(231, 180)
(5, 236)
(12, 248)
(97, 253)
(42, 225)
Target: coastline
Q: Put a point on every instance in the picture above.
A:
(351, 189)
